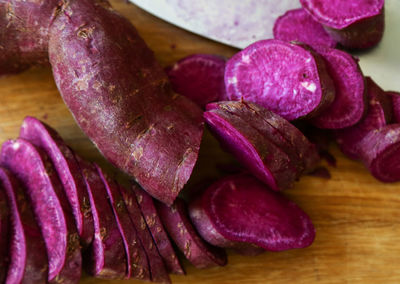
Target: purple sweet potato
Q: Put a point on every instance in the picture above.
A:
(288, 79)
(350, 102)
(298, 25)
(199, 77)
(120, 97)
(356, 24)
(27, 249)
(176, 220)
(396, 105)
(106, 257)
(380, 150)
(50, 206)
(158, 270)
(379, 114)
(270, 221)
(46, 138)
(4, 235)
(157, 230)
(137, 262)
(253, 149)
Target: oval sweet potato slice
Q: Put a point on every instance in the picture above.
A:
(50, 206)
(27, 250)
(288, 79)
(4, 235)
(46, 138)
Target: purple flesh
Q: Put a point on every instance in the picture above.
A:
(379, 114)
(298, 25)
(285, 78)
(241, 209)
(161, 239)
(396, 105)
(4, 235)
(27, 253)
(350, 103)
(46, 138)
(199, 77)
(34, 170)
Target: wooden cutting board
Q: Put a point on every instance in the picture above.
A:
(357, 218)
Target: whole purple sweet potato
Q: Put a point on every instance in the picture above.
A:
(298, 25)
(4, 234)
(240, 209)
(27, 250)
(293, 81)
(50, 206)
(355, 24)
(199, 77)
(153, 222)
(63, 159)
(179, 227)
(350, 101)
(395, 96)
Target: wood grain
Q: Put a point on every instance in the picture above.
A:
(356, 217)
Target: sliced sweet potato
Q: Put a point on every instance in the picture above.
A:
(157, 230)
(106, 257)
(354, 24)
(380, 150)
(349, 105)
(4, 235)
(27, 249)
(270, 221)
(199, 77)
(293, 81)
(396, 105)
(158, 271)
(379, 114)
(179, 227)
(298, 25)
(50, 206)
(46, 138)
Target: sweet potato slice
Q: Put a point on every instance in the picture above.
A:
(355, 24)
(46, 138)
(380, 150)
(153, 222)
(199, 77)
(106, 257)
(158, 271)
(350, 101)
(298, 25)
(179, 227)
(50, 206)
(395, 96)
(270, 221)
(288, 79)
(137, 261)
(27, 250)
(4, 235)
(379, 114)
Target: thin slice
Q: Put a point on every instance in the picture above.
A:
(199, 77)
(106, 257)
(158, 271)
(240, 209)
(27, 249)
(46, 138)
(379, 114)
(288, 79)
(179, 227)
(355, 24)
(396, 105)
(350, 101)
(138, 265)
(161, 239)
(380, 152)
(4, 235)
(50, 205)
(298, 25)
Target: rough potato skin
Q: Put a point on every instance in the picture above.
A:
(119, 96)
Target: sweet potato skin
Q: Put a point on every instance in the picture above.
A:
(28, 258)
(395, 96)
(4, 234)
(100, 62)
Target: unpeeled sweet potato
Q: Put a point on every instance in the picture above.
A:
(63, 159)
(27, 251)
(120, 97)
(4, 234)
(395, 96)
(50, 206)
